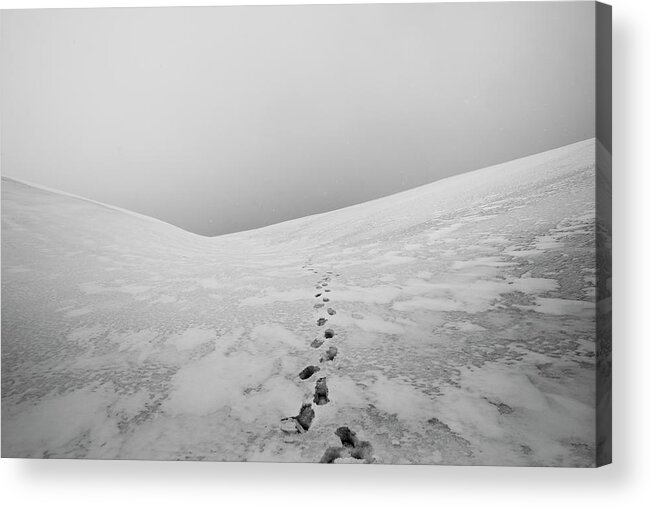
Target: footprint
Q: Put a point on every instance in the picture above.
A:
(347, 436)
(307, 372)
(321, 392)
(316, 343)
(300, 423)
(333, 453)
(352, 446)
(306, 416)
(317, 295)
(329, 333)
(329, 354)
(326, 299)
(324, 284)
(319, 305)
(321, 321)
(357, 449)
(331, 311)
(327, 290)
(364, 450)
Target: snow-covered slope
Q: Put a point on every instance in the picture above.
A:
(462, 313)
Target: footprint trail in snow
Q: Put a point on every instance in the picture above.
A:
(352, 447)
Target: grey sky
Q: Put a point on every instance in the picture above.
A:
(229, 118)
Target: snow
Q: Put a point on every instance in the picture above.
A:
(191, 338)
(214, 381)
(557, 306)
(464, 322)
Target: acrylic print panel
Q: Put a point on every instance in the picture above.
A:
(336, 234)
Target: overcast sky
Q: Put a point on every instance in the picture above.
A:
(230, 118)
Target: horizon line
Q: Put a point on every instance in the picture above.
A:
(151, 218)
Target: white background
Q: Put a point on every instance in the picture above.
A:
(626, 482)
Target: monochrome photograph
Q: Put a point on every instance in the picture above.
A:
(344, 234)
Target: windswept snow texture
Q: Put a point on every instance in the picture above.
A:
(464, 326)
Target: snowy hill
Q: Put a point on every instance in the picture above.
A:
(462, 313)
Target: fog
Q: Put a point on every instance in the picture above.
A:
(231, 118)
